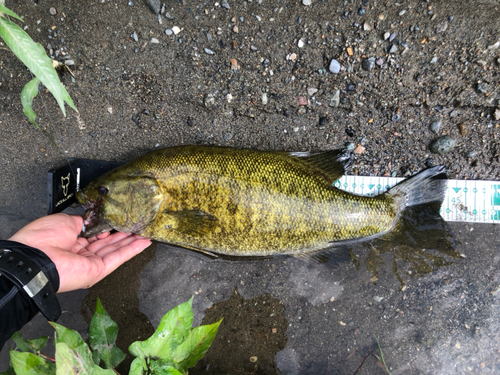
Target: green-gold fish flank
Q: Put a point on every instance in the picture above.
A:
(244, 202)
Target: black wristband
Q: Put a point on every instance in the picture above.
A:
(35, 275)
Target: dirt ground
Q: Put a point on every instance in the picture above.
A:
(256, 74)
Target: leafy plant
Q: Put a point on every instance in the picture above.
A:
(171, 350)
(34, 57)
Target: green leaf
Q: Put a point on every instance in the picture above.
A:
(195, 346)
(103, 331)
(157, 368)
(6, 10)
(31, 364)
(138, 366)
(27, 94)
(34, 57)
(32, 346)
(73, 355)
(173, 328)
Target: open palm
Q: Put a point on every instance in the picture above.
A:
(80, 262)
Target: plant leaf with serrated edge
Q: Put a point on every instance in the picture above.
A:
(30, 53)
(73, 356)
(195, 346)
(138, 366)
(173, 328)
(31, 364)
(29, 91)
(102, 337)
(4, 9)
(32, 346)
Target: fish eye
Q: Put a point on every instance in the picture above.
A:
(102, 189)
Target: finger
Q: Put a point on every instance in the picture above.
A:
(115, 246)
(111, 239)
(102, 236)
(78, 221)
(116, 258)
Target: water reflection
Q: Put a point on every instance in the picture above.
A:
(252, 332)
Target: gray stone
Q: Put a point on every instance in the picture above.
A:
(441, 27)
(335, 100)
(496, 115)
(368, 64)
(154, 5)
(393, 49)
(442, 145)
(307, 2)
(435, 126)
(208, 51)
(225, 4)
(334, 66)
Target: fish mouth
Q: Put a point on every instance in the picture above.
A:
(92, 222)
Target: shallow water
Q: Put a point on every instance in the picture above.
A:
(289, 316)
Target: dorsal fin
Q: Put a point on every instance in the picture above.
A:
(330, 163)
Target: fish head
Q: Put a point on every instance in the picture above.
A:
(127, 203)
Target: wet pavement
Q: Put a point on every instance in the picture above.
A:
(287, 316)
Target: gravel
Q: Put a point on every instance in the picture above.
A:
(334, 66)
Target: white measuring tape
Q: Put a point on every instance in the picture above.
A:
(465, 200)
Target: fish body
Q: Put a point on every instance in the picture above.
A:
(244, 202)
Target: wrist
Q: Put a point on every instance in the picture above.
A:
(34, 274)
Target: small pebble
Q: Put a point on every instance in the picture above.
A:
(387, 35)
(368, 64)
(225, 4)
(307, 2)
(396, 117)
(311, 91)
(209, 100)
(391, 37)
(350, 146)
(301, 100)
(442, 145)
(441, 27)
(155, 41)
(69, 62)
(434, 60)
(450, 18)
(361, 11)
(264, 98)
(402, 12)
(53, 11)
(335, 100)
(482, 88)
(176, 30)
(300, 43)
(496, 115)
(168, 31)
(393, 49)
(334, 66)
(472, 154)
(130, 4)
(359, 150)
(462, 128)
(379, 61)
(154, 5)
(253, 359)
(435, 126)
(367, 26)
(135, 37)
(208, 51)
(350, 87)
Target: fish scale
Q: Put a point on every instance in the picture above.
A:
(237, 201)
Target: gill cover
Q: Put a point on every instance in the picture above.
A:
(128, 204)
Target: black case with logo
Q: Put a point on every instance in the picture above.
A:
(62, 182)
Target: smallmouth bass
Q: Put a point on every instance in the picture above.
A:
(244, 202)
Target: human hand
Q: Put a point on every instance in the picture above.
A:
(80, 262)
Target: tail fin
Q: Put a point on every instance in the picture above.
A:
(428, 186)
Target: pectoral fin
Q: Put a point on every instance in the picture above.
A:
(194, 223)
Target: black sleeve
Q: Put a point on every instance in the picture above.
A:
(16, 307)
